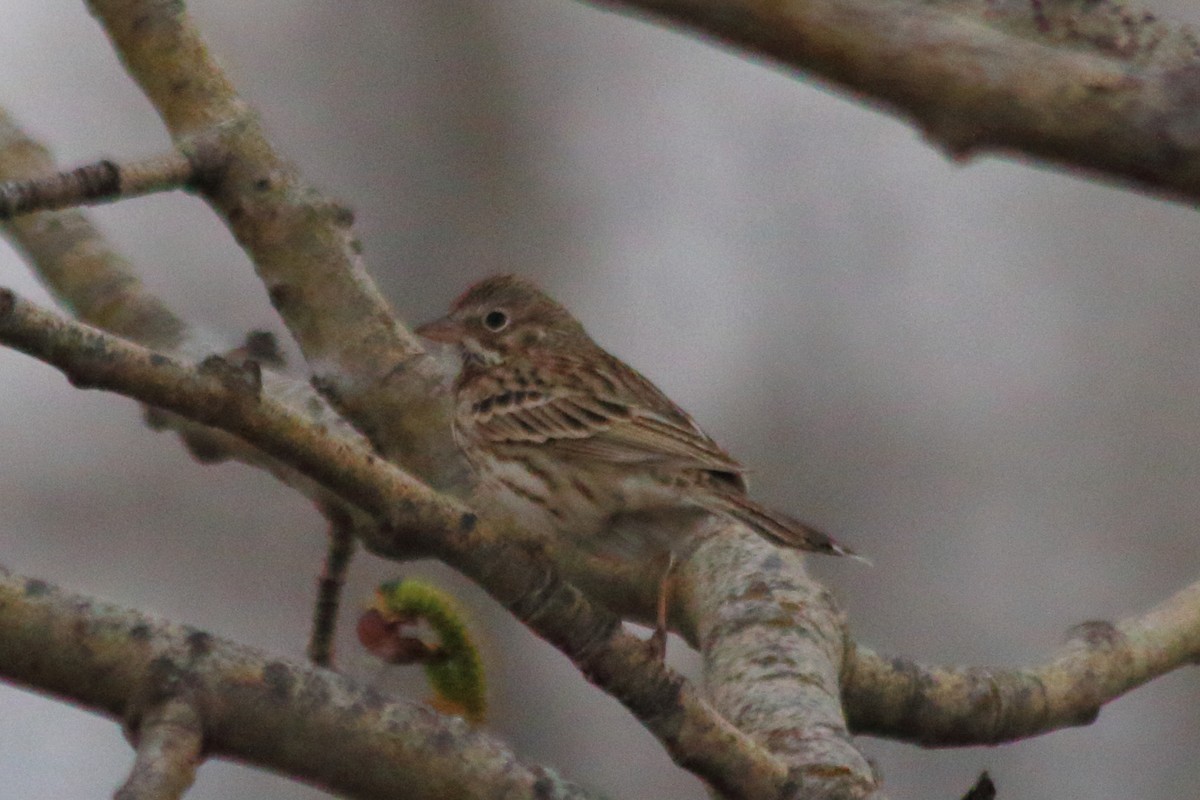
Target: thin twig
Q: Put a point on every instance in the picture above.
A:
(100, 182)
(338, 554)
(170, 743)
(75, 261)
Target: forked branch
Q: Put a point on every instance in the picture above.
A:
(410, 516)
(285, 715)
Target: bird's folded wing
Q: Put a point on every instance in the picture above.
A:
(601, 428)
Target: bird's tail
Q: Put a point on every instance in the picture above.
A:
(775, 526)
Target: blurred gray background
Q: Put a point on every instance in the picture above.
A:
(984, 377)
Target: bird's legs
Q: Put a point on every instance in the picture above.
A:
(658, 640)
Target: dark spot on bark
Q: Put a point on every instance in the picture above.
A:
(215, 365)
(372, 699)
(1096, 634)
(444, 743)
(262, 184)
(161, 675)
(1181, 119)
(140, 632)
(280, 296)
(467, 522)
(199, 644)
(278, 679)
(80, 381)
(251, 376)
(543, 787)
(264, 347)
(504, 399)
(101, 179)
(324, 387)
(36, 588)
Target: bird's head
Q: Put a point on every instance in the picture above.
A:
(502, 316)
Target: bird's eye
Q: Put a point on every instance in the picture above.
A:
(495, 320)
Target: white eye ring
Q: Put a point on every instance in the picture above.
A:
(495, 320)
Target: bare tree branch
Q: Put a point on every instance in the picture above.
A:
(1078, 83)
(773, 642)
(169, 738)
(343, 538)
(413, 516)
(286, 716)
(370, 368)
(961, 706)
(1089, 84)
(629, 591)
(102, 181)
(76, 262)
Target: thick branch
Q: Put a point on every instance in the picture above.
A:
(773, 645)
(101, 181)
(1086, 84)
(341, 736)
(412, 515)
(959, 706)
(19, 156)
(372, 370)
(83, 271)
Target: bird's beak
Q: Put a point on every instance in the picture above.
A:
(446, 330)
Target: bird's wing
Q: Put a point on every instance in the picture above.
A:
(593, 415)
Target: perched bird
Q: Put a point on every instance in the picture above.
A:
(576, 444)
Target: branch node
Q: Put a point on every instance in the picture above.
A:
(170, 742)
(1096, 635)
(207, 159)
(263, 347)
(244, 378)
